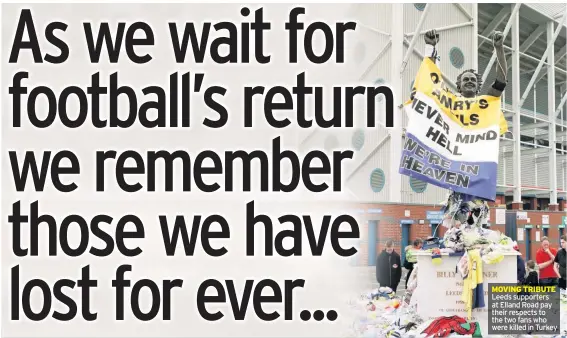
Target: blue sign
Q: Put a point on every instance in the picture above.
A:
(434, 215)
(374, 211)
(406, 221)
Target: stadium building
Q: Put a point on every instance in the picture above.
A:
(532, 170)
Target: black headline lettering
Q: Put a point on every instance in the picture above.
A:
(239, 308)
(302, 170)
(222, 42)
(121, 283)
(39, 176)
(272, 103)
(227, 36)
(113, 48)
(300, 224)
(169, 105)
(293, 26)
(441, 175)
(158, 108)
(35, 221)
(85, 283)
(179, 227)
(25, 24)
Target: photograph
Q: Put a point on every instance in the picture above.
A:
(224, 169)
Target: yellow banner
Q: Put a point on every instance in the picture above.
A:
(472, 113)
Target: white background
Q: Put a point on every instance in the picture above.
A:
(329, 280)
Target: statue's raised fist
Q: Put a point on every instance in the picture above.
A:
(431, 37)
(498, 39)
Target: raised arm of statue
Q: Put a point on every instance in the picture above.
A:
(431, 39)
(501, 67)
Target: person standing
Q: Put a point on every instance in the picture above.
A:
(559, 262)
(388, 267)
(410, 258)
(521, 271)
(532, 279)
(545, 259)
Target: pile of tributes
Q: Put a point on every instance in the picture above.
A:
(381, 313)
(390, 317)
(466, 220)
(465, 209)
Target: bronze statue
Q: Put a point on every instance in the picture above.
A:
(461, 208)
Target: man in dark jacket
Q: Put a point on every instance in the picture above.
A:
(389, 267)
(559, 263)
(521, 267)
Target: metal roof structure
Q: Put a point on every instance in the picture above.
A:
(550, 9)
(538, 25)
(532, 33)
